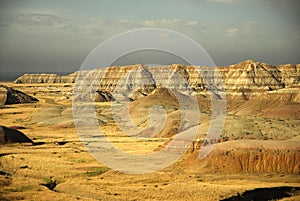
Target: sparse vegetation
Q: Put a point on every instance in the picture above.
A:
(21, 189)
(25, 170)
(96, 171)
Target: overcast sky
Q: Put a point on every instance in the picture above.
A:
(57, 35)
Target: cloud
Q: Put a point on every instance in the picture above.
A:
(38, 19)
(222, 1)
(175, 23)
(93, 27)
(232, 32)
(248, 30)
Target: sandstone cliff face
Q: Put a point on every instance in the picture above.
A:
(9, 95)
(255, 156)
(253, 75)
(46, 78)
(290, 74)
(244, 77)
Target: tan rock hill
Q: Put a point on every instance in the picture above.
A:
(59, 117)
(252, 75)
(251, 156)
(168, 100)
(269, 89)
(247, 75)
(9, 95)
(46, 78)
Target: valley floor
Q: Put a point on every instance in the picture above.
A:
(59, 167)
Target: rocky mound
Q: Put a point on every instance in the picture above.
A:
(164, 97)
(57, 116)
(60, 117)
(146, 108)
(9, 95)
(251, 156)
(253, 75)
(281, 103)
(8, 135)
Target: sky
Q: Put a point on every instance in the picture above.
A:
(57, 35)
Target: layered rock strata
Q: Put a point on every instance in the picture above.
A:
(244, 78)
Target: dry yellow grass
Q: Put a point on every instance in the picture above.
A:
(80, 177)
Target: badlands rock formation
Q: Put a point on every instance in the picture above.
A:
(46, 78)
(250, 156)
(9, 95)
(244, 77)
(270, 90)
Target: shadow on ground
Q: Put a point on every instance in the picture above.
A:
(265, 194)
